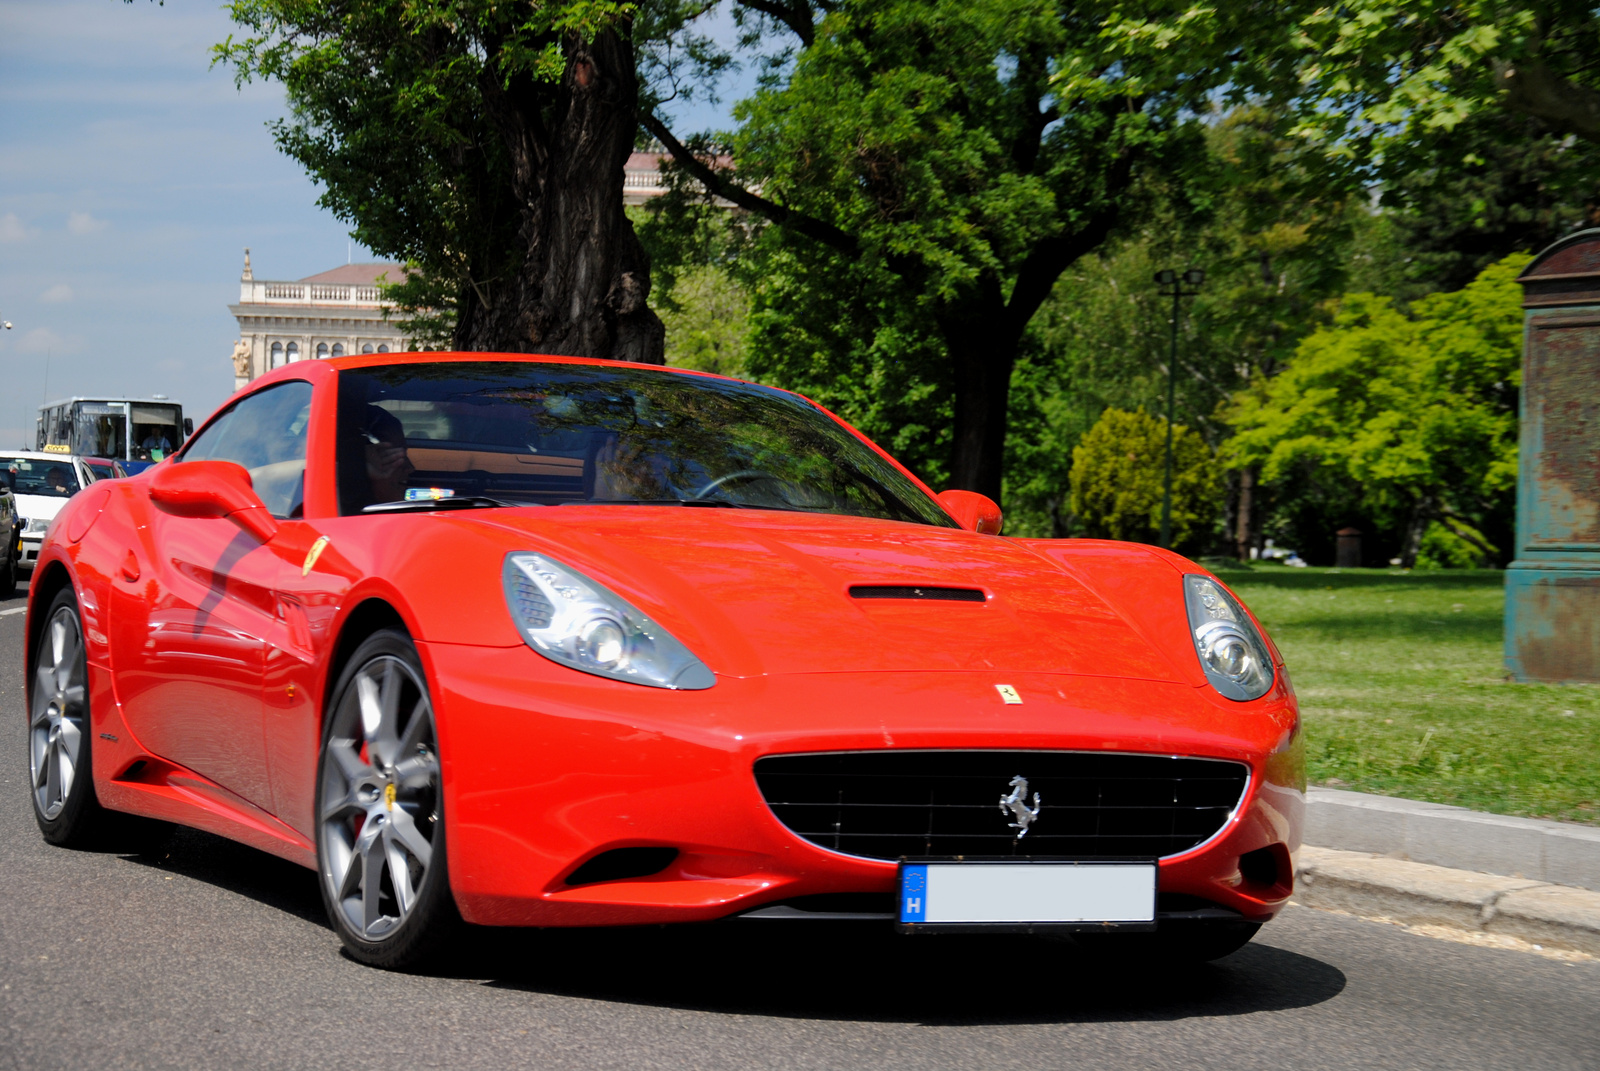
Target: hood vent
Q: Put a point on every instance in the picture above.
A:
(891, 591)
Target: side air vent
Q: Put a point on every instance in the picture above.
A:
(888, 591)
(620, 863)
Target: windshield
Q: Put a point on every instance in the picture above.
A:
(523, 433)
(155, 431)
(100, 429)
(34, 476)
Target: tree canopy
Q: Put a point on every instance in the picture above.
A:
(481, 142)
(956, 158)
(1417, 413)
(1390, 70)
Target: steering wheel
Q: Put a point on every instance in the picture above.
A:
(742, 474)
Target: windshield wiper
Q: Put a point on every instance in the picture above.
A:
(721, 503)
(424, 505)
(724, 503)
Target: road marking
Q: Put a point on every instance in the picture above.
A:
(14, 610)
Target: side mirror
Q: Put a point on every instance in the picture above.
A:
(188, 426)
(972, 511)
(211, 489)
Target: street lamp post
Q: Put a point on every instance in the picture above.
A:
(1166, 279)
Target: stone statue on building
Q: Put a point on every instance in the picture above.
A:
(241, 359)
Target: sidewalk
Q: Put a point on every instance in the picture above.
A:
(1427, 864)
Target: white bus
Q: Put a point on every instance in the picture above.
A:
(135, 431)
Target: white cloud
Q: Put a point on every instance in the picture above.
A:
(84, 223)
(57, 293)
(42, 340)
(11, 228)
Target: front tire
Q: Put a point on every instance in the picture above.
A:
(380, 811)
(59, 762)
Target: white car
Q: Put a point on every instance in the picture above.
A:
(42, 483)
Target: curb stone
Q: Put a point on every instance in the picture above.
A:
(1362, 883)
(1559, 853)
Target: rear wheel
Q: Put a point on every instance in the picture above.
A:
(380, 817)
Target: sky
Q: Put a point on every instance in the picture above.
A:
(132, 176)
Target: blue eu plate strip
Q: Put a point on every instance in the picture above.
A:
(913, 893)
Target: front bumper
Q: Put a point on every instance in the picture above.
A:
(545, 769)
(28, 557)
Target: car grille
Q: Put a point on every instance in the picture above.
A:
(941, 804)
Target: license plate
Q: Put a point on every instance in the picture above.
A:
(1027, 894)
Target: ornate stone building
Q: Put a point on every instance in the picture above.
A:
(328, 314)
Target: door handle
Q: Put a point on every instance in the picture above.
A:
(130, 568)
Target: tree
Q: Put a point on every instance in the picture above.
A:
(708, 323)
(480, 141)
(1495, 184)
(1387, 70)
(957, 157)
(1117, 475)
(1276, 242)
(1416, 414)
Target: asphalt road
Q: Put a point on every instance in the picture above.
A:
(217, 956)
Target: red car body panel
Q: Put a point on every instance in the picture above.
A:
(211, 657)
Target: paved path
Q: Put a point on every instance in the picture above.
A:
(216, 956)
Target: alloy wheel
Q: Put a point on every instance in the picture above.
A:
(379, 797)
(60, 716)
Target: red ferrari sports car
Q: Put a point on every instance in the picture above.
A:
(543, 641)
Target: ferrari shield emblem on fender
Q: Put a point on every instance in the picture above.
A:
(1016, 805)
(1009, 695)
(313, 554)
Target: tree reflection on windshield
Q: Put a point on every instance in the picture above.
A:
(550, 434)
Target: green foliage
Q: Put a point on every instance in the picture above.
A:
(847, 336)
(1417, 412)
(1117, 475)
(956, 158)
(1493, 185)
(1418, 67)
(1443, 548)
(1276, 242)
(708, 323)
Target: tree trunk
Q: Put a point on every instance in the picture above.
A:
(982, 353)
(1421, 514)
(1058, 523)
(1242, 535)
(582, 286)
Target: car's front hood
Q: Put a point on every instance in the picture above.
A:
(40, 507)
(766, 592)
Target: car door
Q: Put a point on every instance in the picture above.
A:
(206, 611)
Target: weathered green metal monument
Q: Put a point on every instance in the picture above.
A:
(1553, 585)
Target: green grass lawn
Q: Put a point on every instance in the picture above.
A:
(1404, 692)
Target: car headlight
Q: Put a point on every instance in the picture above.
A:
(1232, 652)
(570, 619)
(36, 526)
